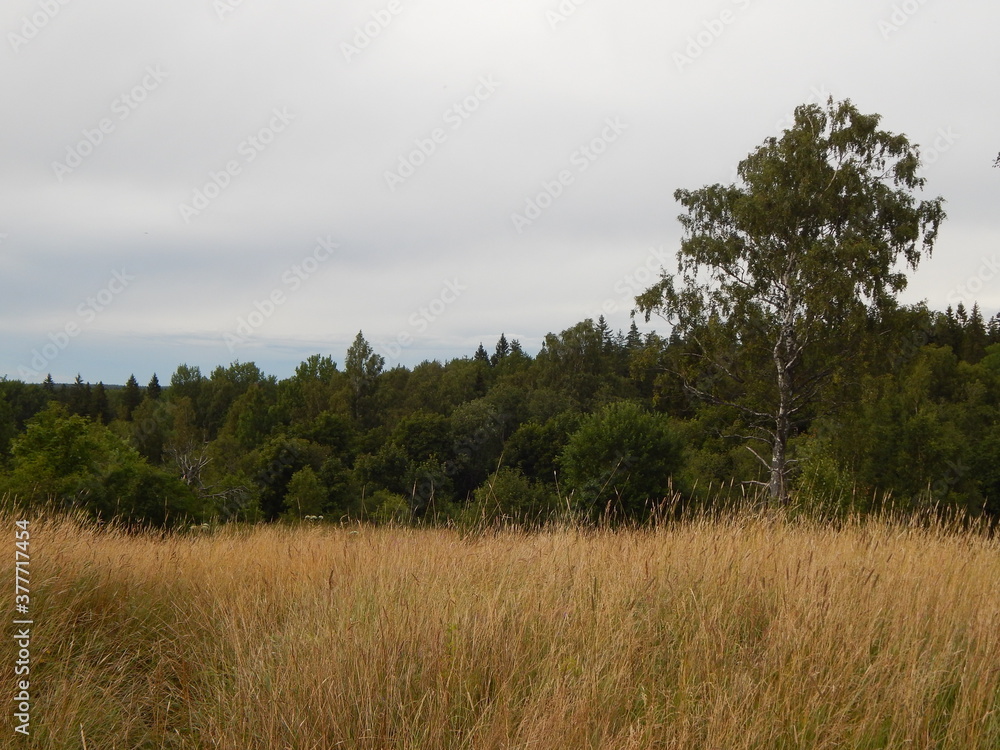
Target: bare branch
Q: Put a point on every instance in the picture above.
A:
(767, 464)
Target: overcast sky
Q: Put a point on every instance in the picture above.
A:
(205, 181)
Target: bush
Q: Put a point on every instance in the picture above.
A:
(621, 460)
(73, 462)
(510, 495)
(306, 494)
(388, 507)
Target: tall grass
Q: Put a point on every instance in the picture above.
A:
(751, 631)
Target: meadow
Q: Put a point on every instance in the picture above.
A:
(754, 630)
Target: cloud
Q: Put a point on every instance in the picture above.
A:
(223, 73)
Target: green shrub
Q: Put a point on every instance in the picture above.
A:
(620, 461)
(510, 495)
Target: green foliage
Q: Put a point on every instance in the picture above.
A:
(306, 495)
(329, 429)
(387, 507)
(430, 488)
(509, 495)
(925, 434)
(148, 429)
(534, 448)
(71, 461)
(131, 397)
(154, 390)
(221, 390)
(8, 427)
(780, 276)
(363, 367)
(186, 382)
(422, 435)
(621, 460)
(252, 417)
(272, 467)
(789, 363)
(343, 489)
(385, 469)
(479, 430)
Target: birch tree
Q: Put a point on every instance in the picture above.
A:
(780, 273)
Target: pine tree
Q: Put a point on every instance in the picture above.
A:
(481, 355)
(153, 390)
(49, 384)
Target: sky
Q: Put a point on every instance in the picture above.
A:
(210, 181)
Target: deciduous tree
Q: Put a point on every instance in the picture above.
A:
(791, 265)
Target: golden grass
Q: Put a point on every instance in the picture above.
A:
(751, 632)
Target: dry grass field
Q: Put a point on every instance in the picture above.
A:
(747, 632)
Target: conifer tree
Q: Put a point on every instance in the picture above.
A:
(131, 397)
(80, 397)
(99, 409)
(363, 367)
(502, 350)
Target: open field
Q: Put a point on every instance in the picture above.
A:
(752, 632)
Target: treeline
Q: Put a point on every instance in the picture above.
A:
(597, 424)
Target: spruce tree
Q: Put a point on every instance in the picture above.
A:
(153, 390)
(130, 399)
(976, 337)
(80, 397)
(501, 352)
(99, 409)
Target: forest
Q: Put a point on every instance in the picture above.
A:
(790, 372)
(595, 423)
